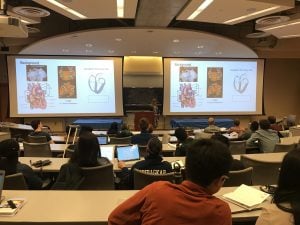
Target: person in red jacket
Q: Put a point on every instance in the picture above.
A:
(191, 202)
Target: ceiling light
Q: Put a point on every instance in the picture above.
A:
(118, 39)
(120, 8)
(75, 13)
(88, 45)
(176, 41)
(238, 19)
(134, 52)
(88, 50)
(111, 51)
(281, 26)
(201, 7)
(65, 50)
(155, 52)
(200, 46)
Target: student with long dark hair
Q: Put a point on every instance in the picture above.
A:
(87, 154)
(286, 201)
(9, 155)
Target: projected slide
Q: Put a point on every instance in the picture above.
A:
(219, 87)
(65, 86)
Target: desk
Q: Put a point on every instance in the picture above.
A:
(98, 123)
(17, 130)
(200, 123)
(80, 207)
(4, 136)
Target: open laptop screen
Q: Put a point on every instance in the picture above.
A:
(128, 152)
(108, 152)
(103, 140)
(2, 176)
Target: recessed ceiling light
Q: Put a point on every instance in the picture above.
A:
(118, 39)
(88, 45)
(176, 41)
(88, 50)
(111, 51)
(155, 52)
(133, 52)
(176, 52)
(200, 46)
(120, 8)
(219, 53)
(201, 8)
(72, 11)
(65, 50)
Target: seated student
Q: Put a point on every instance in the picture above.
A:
(285, 207)
(183, 141)
(264, 138)
(113, 129)
(249, 131)
(212, 128)
(236, 128)
(37, 127)
(9, 154)
(191, 202)
(273, 124)
(236, 164)
(153, 163)
(87, 154)
(143, 137)
(124, 132)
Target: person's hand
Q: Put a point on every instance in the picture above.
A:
(121, 164)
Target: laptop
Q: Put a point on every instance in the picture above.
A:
(2, 176)
(108, 152)
(103, 140)
(128, 153)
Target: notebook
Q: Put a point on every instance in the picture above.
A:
(128, 152)
(103, 140)
(108, 152)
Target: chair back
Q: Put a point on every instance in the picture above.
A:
(290, 140)
(15, 182)
(36, 139)
(142, 179)
(237, 147)
(37, 149)
(97, 178)
(264, 172)
(120, 140)
(203, 135)
(238, 177)
(295, 131)
(284, 147)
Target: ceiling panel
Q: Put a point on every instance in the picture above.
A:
(93, 9)
(220, 11)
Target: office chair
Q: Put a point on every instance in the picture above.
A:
(36, 139)
(142, 179)
(143, 150)
(237, 147)
(37, 149)
(238, 177)
(263, 172)
(120, 140)
(15, 182)
(97, 178)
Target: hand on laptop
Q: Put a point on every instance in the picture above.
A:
(121, 164)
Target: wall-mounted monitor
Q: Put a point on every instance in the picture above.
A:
(196, 86)
(57, 86)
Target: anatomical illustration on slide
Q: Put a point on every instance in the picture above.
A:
(36, 73)
(67, 81)
(96, 83)
(188, 74)
(187, 95)
(240, 83)
(214, 82)
(36, 95)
